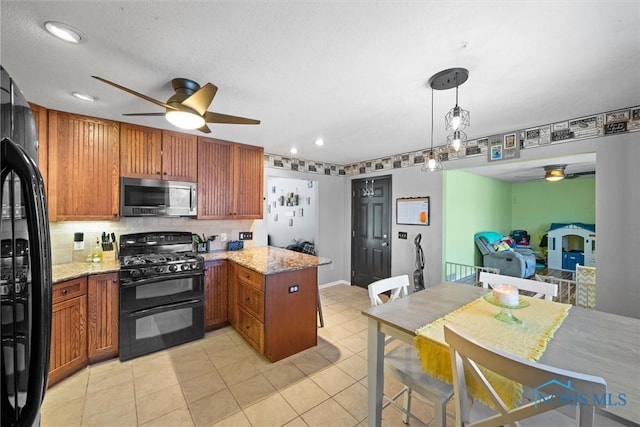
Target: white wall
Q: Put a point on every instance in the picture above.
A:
(409, 182)
(618, 225)
(331, 225)
(617, 217)
(284, 229)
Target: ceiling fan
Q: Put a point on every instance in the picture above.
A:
(552, 173)
(556, 173)
(187, 107)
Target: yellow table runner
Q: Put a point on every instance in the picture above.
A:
(527, 340)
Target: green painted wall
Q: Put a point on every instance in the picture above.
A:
(473, 203)
(537, 204)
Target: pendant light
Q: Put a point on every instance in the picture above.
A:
(432, 163)
(457, 119)
(456, 139)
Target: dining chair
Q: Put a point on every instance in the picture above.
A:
(402, 363)
(586, 286)
(553, 387)
(542, 289)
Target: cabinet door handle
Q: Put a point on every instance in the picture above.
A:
(65, 291)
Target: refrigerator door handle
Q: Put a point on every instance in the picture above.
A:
(16, 158)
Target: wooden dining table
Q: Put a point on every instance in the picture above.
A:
(587, 341)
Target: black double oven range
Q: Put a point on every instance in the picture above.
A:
(161, 292)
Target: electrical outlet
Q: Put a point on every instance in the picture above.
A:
(402, 235)
(246, 235)
(223, 237)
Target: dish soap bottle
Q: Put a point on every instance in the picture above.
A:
(96, 255)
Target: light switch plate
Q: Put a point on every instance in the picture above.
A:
(246, 235)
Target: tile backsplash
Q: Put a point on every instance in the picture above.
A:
(62, 233)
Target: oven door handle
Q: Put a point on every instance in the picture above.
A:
(167, 277)
(165, 307)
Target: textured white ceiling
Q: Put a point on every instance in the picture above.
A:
(352, 72)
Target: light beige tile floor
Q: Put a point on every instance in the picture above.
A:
(221, 381)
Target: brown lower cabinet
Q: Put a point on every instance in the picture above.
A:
(275, 313)
(84, 323)
(215, 294)
(68, 329)
(103, 310)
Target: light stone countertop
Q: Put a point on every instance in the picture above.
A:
(73, 270)
(263, 259)
(268, 259)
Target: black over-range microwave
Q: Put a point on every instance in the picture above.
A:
(155, 197)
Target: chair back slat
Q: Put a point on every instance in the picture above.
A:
(398, 285)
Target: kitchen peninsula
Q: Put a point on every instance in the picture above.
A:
(272, 298)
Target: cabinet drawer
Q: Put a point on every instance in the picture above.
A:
(250, 277)
(252, 300)
(251, 329)
(70, 289)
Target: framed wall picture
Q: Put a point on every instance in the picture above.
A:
(412, 211)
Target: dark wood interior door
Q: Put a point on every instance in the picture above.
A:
(370, 230)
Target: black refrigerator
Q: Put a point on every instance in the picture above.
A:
(25, 286)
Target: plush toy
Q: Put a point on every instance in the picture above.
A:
(501, 246)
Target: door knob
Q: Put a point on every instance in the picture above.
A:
(385, 244)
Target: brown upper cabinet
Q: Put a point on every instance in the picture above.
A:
(40, 117)
(157, 154)
(83, 168)
(230, 180)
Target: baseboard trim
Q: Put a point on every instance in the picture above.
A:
(337, 282)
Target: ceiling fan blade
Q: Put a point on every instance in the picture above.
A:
(201, 100)
(579, 174)
(211, 117)
(143, 114)
(133, 92)
(204, 129)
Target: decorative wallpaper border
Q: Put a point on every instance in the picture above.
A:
(495, 147)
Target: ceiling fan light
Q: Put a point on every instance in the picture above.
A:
(554, 173)
(185, 119)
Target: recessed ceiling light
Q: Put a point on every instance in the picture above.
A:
(85, 96)
(319, 142)
(293, 150)
(65, 32)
